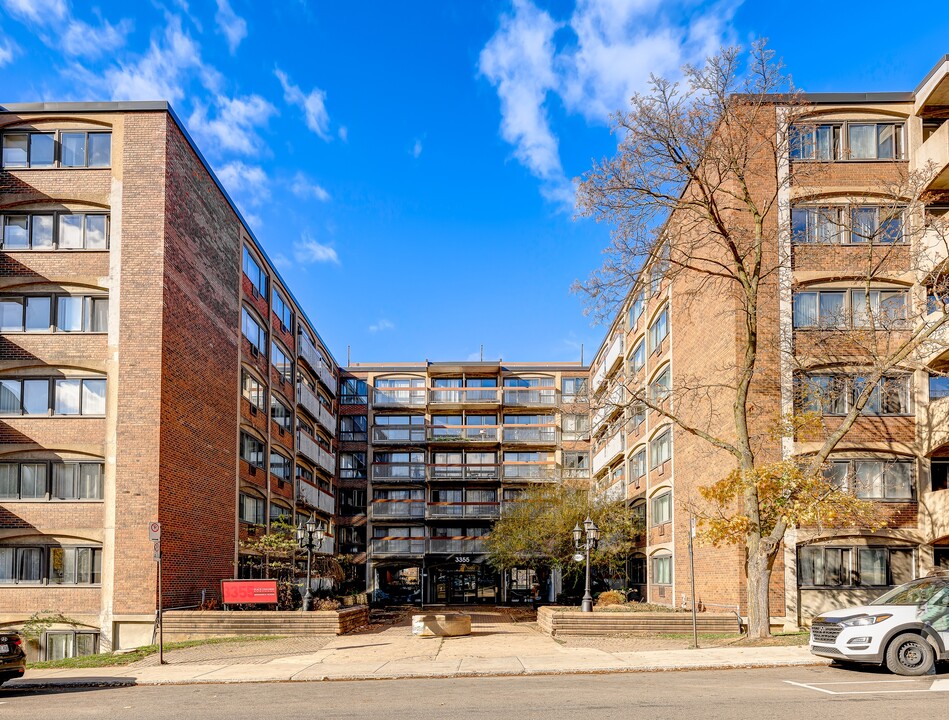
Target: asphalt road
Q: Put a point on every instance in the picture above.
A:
(773, 693)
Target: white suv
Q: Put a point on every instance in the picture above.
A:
(907, 628)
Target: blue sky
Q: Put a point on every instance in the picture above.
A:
(409, 165)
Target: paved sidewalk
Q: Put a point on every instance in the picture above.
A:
(496, 646)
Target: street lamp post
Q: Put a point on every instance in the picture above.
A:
(586, 539)
(309, 538)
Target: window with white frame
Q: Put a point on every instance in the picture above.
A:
(662, 569)
(281, 308)
(659, 329)
(849, 140)
(661, 386)
(54, 231)
(660, 449)
(62, 148)
(252, 389)
(576, 427)
(574, 390)
(637, 308)
(70, 643)
(637, 361)
(661, 509)
(874, 479)
(637, 465)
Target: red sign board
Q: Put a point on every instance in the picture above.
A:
(245, 592)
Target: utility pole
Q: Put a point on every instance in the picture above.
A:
(695, 630)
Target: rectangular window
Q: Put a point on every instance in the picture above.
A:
(75, 566)
(662, 570)
(252, 390)
(815, 225)
(251, 509)
(659, 329)
(281, 309)
(252, 330)
(874, 479)
(874, 141)
(637, 465)
(281, 361)
(637, 360)
(280, 413)
(77, 481)
(254, 273)
(660, 449)
(854, 566)
(661, 387)
(574, 390)
(281, 466)
(836, 394)
(661, 509)
(65, 231)
(815, 142)
(637, 308)
(353, 428)
(353, 392)
(352, 466)
(252, 450)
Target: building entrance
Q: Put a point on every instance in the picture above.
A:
(463, 584)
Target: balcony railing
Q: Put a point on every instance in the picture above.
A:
(407, 472)
(538, 434)
(463, 433)
(526, 397)
(608, 405)
(614, 446)
(314, 497)
(439, 511)
(396, 509)
(464, 395)
(310, 448)
(462, 545)
(463, 472)
(394, 397)
(575, 474)
(529, 471)
(398, 433)
(319, 366)
(397, 546)
(933, 157)
(312, 405)
(610, 357)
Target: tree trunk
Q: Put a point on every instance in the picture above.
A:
(759, 583)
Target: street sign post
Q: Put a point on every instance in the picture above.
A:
(154, 534)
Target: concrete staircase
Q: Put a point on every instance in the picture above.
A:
(196, 625)
(556, 621)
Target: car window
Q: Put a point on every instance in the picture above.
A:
(917, 592)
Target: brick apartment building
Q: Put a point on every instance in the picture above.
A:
(896, 454)
(153, 366)
(430, 453)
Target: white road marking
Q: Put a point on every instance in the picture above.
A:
(811, 687)
(937, 685)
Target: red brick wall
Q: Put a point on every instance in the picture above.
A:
(199, 397)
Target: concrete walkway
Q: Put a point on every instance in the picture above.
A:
(496, 646)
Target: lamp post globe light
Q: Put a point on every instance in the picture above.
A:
(586, 539)
(309, 538)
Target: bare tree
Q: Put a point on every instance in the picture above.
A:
(697, 196)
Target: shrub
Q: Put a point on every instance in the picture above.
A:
(611, 597)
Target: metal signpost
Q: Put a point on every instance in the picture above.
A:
(695, 630)
(154, 534)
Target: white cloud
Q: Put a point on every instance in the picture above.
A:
(313, 104)
(235, 127)
(416, 148)
(343, 133)
(233, 27)
(248, 185)
(160, 73)
(83, 40)
(607, 55)
(304, 189)
(41, 12)
(282, 261)
(6, 52)
(307, 251)
(381, 325)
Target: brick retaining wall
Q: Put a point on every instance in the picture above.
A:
(557, 621)
(197, 625)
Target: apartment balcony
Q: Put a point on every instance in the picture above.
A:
(402, 434)
(933, 157)
(399, 472)
(531, 434)
(575, 474)
(309, 401)
(312, 358)
(463, 472)
(397, 398)
(456, 545)
(530, 397)
(609, 406)
(397, 510)
(397, 546)
(614, 447)
(309, 448)
(529, 472)
(612, 356)
(464, 433)
(314, 497)
(452, 511)
(465, 396)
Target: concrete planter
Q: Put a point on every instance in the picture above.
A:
(197, 625)
(559, 621)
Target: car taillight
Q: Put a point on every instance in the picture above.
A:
(18, 642)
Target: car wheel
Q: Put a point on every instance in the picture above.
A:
(910, 654)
